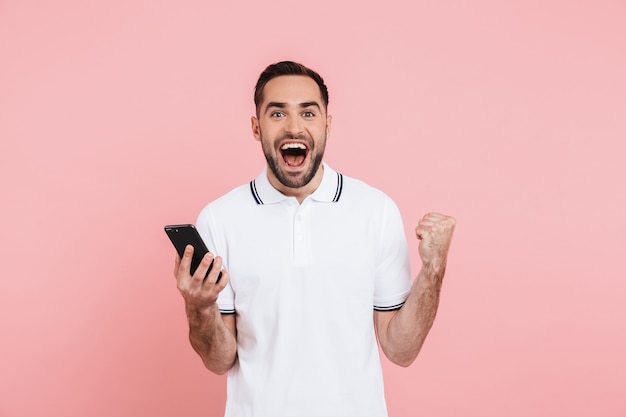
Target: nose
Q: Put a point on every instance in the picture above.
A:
(293, 126)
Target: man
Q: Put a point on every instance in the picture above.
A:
(315, 269)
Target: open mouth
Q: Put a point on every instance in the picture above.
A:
(294, 153)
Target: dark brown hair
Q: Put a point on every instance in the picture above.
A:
(287, 68)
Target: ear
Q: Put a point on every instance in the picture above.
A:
(329, 122)
(256, 129)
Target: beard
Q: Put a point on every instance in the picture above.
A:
(294, 180)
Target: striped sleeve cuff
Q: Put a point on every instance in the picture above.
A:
(389, 308)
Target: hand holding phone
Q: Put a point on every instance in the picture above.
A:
(182, 235)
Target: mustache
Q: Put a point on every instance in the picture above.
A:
(301, 137)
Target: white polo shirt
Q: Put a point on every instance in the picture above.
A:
(305, 279)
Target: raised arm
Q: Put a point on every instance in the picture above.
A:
(212, 335)
(402, 332)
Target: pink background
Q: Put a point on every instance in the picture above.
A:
(117, 117)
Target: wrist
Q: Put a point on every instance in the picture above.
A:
(434, 268)
(198, 314)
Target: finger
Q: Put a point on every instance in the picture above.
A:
(215, 270)
(184, 265)
(176, 264)
(423, 231)
(428, 221)
(432, 218)
(223, 281)
(437, 220)
(204, 266)
(441, 218)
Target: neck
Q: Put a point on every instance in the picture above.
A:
(299, 193)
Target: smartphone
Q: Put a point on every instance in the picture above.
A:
(182, 235)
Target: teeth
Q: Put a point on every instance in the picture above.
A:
(293, 146)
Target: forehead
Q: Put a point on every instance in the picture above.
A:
(291, 89)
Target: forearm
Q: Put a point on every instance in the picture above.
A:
(408, 327)
(212, 339)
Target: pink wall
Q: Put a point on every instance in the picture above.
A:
(117, 117)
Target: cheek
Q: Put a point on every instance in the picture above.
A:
(268, 132)
(267, 142)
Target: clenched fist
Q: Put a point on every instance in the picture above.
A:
(434, 231)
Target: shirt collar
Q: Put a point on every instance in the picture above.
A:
(328, 191)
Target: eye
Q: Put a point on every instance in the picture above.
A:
(277, 114)
(308, 114)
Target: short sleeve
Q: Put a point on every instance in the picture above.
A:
(393, 274)
(211, 236)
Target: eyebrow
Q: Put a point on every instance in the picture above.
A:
(282, 105)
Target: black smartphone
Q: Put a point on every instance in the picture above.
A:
(182, 235)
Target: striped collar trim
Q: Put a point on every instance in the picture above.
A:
(329, 190)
